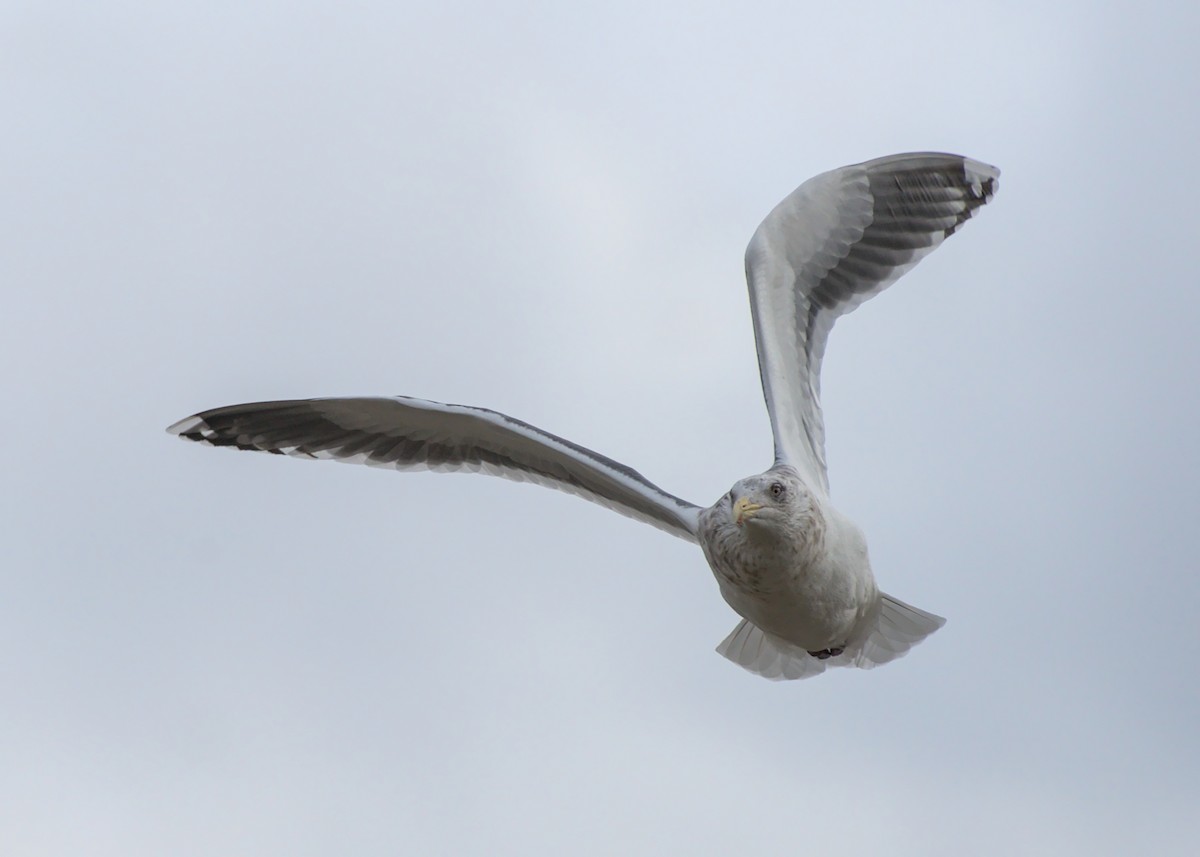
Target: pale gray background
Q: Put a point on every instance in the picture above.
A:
(542, 209)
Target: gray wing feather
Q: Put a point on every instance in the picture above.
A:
(836, 241)
(414, 434)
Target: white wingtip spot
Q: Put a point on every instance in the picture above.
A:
(186, 426)
(979, 174)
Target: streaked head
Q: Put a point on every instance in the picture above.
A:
(770, 504)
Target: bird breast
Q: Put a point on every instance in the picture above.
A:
(806, 584)
(767, 560)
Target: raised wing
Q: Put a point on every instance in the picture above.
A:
(837, 240)
(413, 434)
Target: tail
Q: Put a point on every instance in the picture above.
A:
(896, 629)
(899, 627)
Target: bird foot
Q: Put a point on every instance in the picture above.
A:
(827, 653)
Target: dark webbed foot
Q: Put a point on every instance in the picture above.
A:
(827, 653)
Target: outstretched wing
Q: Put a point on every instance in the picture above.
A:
(837, 240)
(413, 434)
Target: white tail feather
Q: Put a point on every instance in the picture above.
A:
(897, 628)
(766, 655)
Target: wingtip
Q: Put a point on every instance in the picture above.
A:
(186, 427)
(984, 178)
(980, 168)
(980, 179)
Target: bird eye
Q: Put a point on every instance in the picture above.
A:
(776, 489)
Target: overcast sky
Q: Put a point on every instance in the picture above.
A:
(543, 210)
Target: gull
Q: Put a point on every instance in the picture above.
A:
(792, 566)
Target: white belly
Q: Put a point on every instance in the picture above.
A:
(814, 596)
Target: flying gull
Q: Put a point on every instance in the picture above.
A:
(792, 566)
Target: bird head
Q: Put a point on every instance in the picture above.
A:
(772, 504)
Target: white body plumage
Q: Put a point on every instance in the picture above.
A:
(797, 570)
